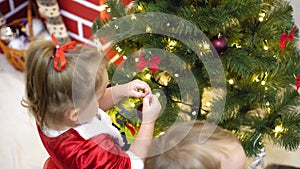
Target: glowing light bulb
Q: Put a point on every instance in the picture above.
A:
(262, 14)
(119, 49)
(124, 57)
(266, 47)
(148, 76)
(278, 129)
(132, 105)
(263, 82)
(268, 104)
(231, 81)
(206, 46)
(208, 104)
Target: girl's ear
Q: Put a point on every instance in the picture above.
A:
(73, 117)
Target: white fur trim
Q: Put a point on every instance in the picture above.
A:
(95, 127)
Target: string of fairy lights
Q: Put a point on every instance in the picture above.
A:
(171, 45)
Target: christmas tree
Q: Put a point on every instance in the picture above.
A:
(238, 71)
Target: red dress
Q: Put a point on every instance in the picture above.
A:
(70, 150)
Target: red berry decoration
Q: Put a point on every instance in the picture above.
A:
(220, 43)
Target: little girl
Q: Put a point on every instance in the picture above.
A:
(64, 94)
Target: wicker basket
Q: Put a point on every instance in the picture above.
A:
(14, 56)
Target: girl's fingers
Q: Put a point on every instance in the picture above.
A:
(146, 102)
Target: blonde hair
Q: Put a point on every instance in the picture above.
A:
(177, 149)
(49, 93)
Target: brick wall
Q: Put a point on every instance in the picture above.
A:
(78, 15)
(13, 9)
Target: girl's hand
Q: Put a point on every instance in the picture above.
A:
(138, 89)
(113, 95)
(151, 108)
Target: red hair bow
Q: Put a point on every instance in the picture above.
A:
(59, 56)
(284, 37)
(153, 63)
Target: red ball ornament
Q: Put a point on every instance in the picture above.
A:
(220, 43)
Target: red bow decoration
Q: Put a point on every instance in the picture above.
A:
(59, 56)
(153, 63)
(297, 83)
(284, 37)
(131, 128)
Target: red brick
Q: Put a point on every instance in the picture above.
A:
(87, 31)
(21, 14)
(79, 10)
(4, 7)
(96, 2)
(71, 25)
(18, 2)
